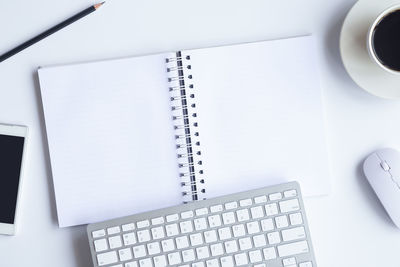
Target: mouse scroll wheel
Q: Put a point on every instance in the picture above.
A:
(385, 166)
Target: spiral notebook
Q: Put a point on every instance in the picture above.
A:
(141, 133)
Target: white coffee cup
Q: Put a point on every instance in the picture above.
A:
(370, 38)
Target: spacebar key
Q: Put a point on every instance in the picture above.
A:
(107, 258)
(293, 249)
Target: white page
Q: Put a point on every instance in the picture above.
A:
(260, 116)
(110, 138)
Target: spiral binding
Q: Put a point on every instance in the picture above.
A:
(184, 115)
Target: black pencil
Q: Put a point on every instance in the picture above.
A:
(49, 32)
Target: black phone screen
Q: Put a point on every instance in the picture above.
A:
(11, 151)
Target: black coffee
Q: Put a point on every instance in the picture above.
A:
(386, 40)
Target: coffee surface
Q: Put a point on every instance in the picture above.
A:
(386, 40)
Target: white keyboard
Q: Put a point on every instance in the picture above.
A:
(264, 228)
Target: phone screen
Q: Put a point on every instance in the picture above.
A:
(11, 151)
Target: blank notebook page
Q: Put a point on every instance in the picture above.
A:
(260, 116)
(110, 137)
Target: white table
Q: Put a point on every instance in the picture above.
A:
(349, 227)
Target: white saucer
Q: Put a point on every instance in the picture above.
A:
(353, 48)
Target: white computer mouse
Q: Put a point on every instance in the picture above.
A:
(382, 169)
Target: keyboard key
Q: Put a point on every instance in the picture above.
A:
(107, 258)
(139, 251)
(128, 227)
(217, 249)
(227, 261)
(243, 215)
(245, 202)
(216, 208)
(210, 236)
(168, 245)
(289, 261)
(253, 227)
(290, 193)
(260, 265)
(174, 258)
(125, 254)
(186, 227)
(231, 205)
(267, 225)
(129, 239)
(198, 264)
(212, 263)
(145, 263)
(238, 230)
(157, 221)
(224, 233)
(289, 205)
(132, 264)
(160, 261)
(100, 245)
(200, 224)
(269, 253)
(157, 232)
(187, 214)
(293, 249)
(260, 199)
(201, 212)
(274, 238)
(245, 243)
(293, 234)
(99, 233)
(143, 236)
(306, 264)
(214, 220)
(259, 241)
(188, 255)
(196, 239)
(257, 212)
(202, 253)
(153, 248)
(231, 246)
(255, 256)
(241, 259)
(113, 230)
(172, 218)
(182, 242)
(271, 209)
(296, 218)
(281, 221)
(172, 229)
(143, 224)
(115, 242)
(228, 218)
(275, 196)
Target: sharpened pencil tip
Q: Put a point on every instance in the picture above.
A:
(97, 6)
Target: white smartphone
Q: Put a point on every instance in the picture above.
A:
(12, 153)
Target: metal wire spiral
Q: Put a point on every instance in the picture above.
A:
(185, 118)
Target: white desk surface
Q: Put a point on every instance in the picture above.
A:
(349, 227)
